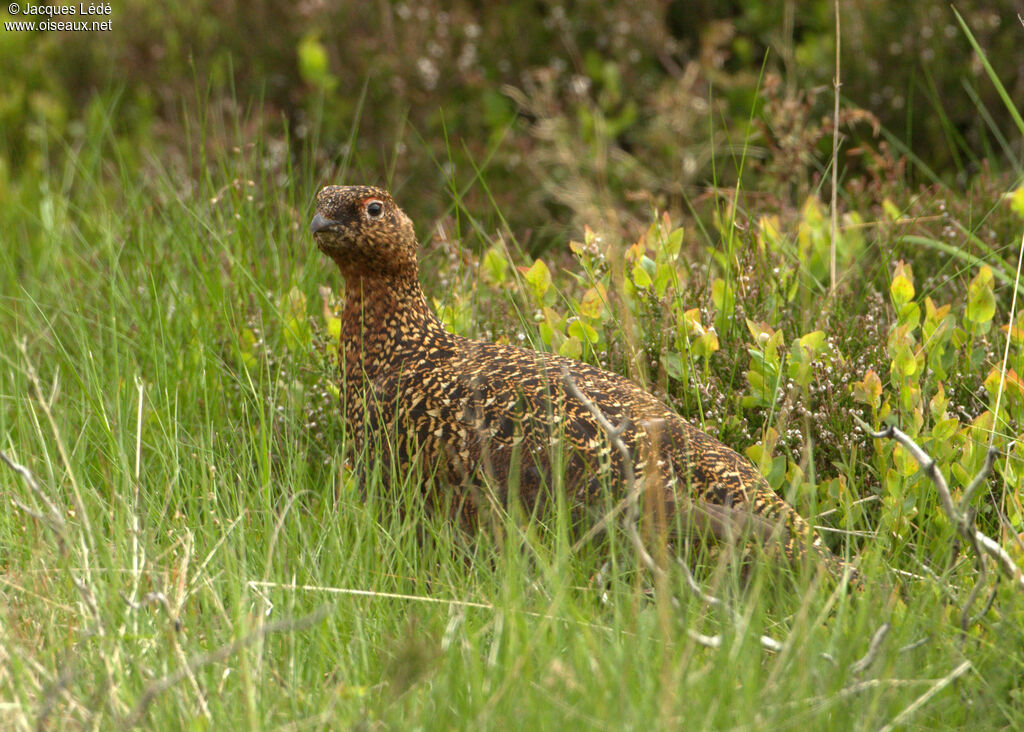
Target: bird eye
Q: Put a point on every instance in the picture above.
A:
(374, 208)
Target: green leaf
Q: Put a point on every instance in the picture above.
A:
(722, 296)
(580, 330)
(706, 344)
(813, 341)
(247, 347)
(981, 302)
(592, 304)
(905, 462)
(944, 430)
(293, 305)
(640, 277)
(538, 277)
(1016, 199)
(910, 315)
(868, 391)
(901, 289)
(904, 362)
(494, 265)
(725, 302)
(675, 365)
(313, 62)
(554, 318)
(334, 329)
(674, 242)
(891, 211)
(546, 333)
(571, 348)
(664, 275)
(297, 335)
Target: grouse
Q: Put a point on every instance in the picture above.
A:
(493, 421)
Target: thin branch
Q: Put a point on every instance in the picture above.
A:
(632, 495)
(154, 598)
(988, 603)
(962, 521)
(877, 640)
(916, 644)
(629, 503)
(972, 596)
(695, 587)
(829, 512)
(979, 479)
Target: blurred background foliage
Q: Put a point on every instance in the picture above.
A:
(577, 112)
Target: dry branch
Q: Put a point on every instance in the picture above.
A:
(877, 640)
(960, 516)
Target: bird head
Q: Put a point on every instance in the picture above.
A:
(364, 232)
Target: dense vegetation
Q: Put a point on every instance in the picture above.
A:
(644, 186)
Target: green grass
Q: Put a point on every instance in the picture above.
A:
(211, 564)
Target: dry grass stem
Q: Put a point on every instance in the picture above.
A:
(936, 687)
(836, 84)
(196, 662)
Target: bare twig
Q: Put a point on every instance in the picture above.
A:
(916, 644)
(961, 518)
(154, 598)
(988, 604)
(829, 512)
(972, 596)
(862, 665)
(979, 479)
(629, 503)
(695, 587)
(938, 686)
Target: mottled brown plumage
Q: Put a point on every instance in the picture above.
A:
(496, 415)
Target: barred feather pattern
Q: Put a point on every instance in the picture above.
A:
(479, 412)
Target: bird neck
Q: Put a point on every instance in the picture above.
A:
(384, 314)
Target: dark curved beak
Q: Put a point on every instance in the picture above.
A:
(319, 223)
